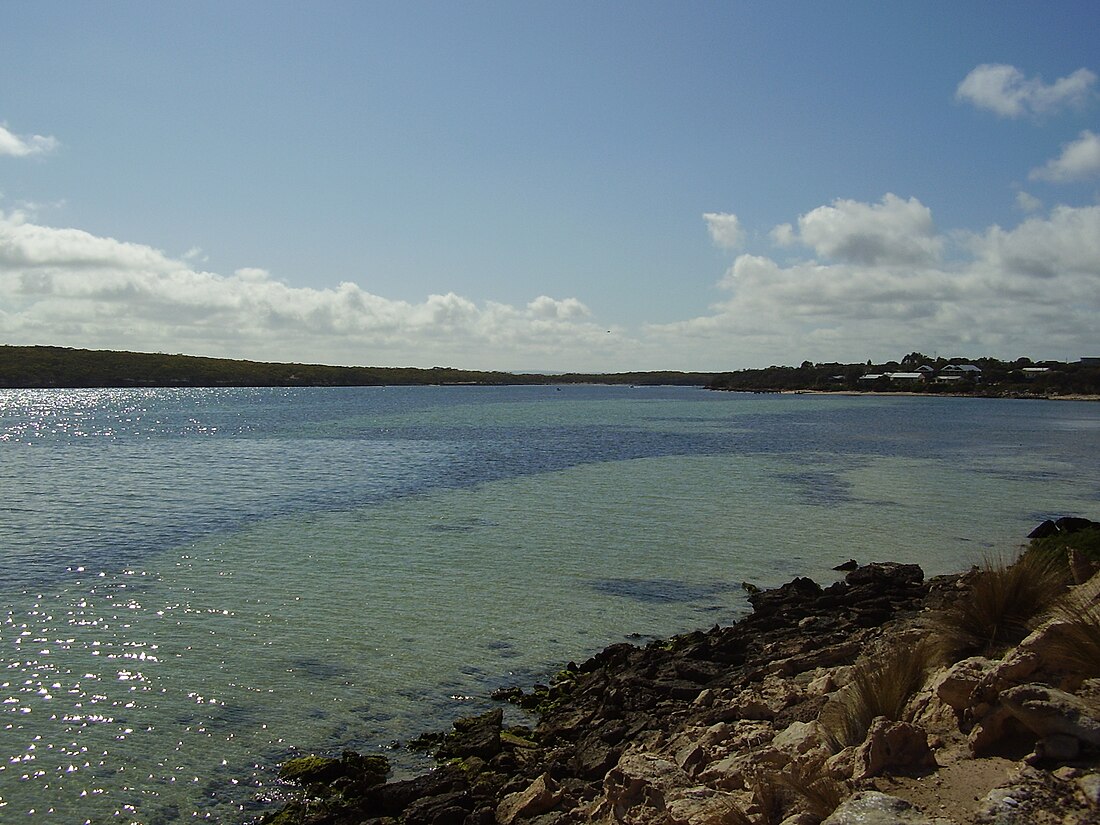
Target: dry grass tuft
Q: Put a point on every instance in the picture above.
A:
(879, 687)
(818, 794)
(1074, 647)
(733, 815)
(1003, 601)
(767, 798)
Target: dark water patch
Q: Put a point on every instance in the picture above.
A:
(656, 591)
(819, 487)
(503, 649)
(320, 669)
(462, 525)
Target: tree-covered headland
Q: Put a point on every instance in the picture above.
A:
(42, 367)
(917, 372)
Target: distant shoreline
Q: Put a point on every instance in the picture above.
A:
(910, 393)
(46, 367)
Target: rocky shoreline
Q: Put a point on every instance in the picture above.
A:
(753, 723)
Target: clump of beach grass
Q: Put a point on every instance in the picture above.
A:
(768, 797)
(817, 793)
(879, 687)
(1002, 603)
(1074, 646)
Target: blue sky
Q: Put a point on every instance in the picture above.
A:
(555, 186)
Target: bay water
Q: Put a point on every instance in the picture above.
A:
(197, 584)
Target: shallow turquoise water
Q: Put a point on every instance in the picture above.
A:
(198, 583)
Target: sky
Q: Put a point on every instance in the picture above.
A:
(566, 186)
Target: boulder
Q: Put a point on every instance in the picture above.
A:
(1089, 786)
(351, 766)
(699, 805)
(474, 736)
(538, 798)
(1056, 748)
(893, 746)
(799, 738)
(874, 808)
(692, 758)
(638, 788)
(1047, 711)
(955, 685)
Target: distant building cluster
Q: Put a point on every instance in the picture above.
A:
(927, 373)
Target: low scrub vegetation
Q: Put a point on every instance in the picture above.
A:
(1003, 602)
(879, 687)
(1085, 543)
(1075, 647)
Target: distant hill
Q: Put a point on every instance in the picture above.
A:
(41, 367)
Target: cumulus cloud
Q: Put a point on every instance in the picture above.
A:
(71, 288)
(875, 282)
(1079, 160)
(1065, 244)
(894, 231)
(1031, 289)
(15, 146)
(1006, 91)
(725, 229)
(1027, 202)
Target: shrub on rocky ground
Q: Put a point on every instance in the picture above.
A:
(1000, 604)
(879, 687)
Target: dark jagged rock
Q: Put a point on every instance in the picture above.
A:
(851, 564)
(1064, 526)
(474, 736)
(350, 767)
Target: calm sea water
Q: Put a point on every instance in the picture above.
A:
(197, 584)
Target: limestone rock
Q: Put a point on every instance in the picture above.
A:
(637, 789)
(698, 804)
(691, 758)
(1090, 788)
(843, 764)
(1032, 796)
(799, 738)
(897, 746)
(539, 797)
(874, 808)
(1056, 748)
(956, 684)
(1047, 711)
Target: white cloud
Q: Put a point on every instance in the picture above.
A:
(1027, 202)
(16, 146)
(784, 235)
(1079, 160)
(547, 308)
(725, 229)
(1032, 289)
(875, 286)
(1065, 244)
(1005, 90)
(71, 288)
(894, 231)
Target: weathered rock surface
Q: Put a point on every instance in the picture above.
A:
(1047, 711)
(874, 808)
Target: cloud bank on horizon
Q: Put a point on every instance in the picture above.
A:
(844, 280)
